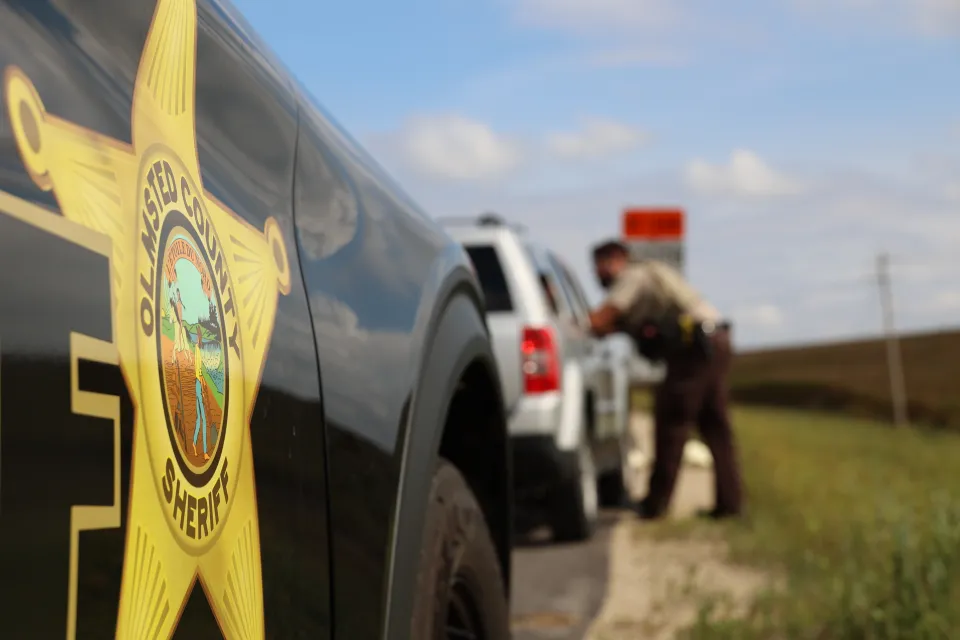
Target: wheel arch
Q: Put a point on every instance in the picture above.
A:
(457, 371)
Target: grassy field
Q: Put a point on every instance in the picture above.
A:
(852, 378)
(859, 526)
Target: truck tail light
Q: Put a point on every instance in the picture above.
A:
(539, 361)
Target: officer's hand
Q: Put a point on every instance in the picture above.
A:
(603, 321)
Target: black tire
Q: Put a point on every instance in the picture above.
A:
(571, 520)
(612, 487)
(459, 581)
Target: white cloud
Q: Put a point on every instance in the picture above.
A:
(632, 56)
(456, 147)
(459, 149)
(744, 175)
(585, 16)
(765, 316)
(952, 192)
(947, 301)
(656, 18)
(596, 138)
(638, 33)
(932, 18)
(937, 17)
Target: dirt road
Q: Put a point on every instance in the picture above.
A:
(622, 585)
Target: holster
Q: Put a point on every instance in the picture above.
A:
(679, 336)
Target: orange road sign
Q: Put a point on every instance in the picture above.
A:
(653, 224)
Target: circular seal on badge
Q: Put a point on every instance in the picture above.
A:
(188, 332)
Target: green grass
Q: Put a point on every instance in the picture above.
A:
(166, 327)
(852, 378)
(860, 525)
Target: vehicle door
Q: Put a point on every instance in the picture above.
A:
(553, 298)
(606, 400)
(556, 301)
(574, 320)
(162, 448)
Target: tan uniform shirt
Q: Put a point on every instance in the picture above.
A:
(653, 290)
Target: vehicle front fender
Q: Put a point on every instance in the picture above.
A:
(456, 337)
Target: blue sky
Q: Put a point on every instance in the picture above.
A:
(801, 136)
(195, 302)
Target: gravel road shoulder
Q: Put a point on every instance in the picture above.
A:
(657, 586)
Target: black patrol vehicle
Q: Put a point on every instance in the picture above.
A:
(246, 385)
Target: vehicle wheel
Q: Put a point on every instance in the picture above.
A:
(460, 591)
(575, 502)
(612, 485)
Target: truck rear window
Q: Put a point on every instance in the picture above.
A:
(492, 280)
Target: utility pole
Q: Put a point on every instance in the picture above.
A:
(898, 391)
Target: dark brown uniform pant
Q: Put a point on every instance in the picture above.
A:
(695, 391)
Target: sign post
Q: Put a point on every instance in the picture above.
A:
(655, 234)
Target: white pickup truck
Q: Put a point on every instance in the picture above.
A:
(566, 394)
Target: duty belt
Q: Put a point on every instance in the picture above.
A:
(710, 327)
(689, 326)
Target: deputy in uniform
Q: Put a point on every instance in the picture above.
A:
(669, 322)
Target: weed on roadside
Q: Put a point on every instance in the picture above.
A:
(860, 522)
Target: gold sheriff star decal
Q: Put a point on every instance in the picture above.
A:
(195, 298)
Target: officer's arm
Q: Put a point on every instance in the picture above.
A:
(603, 319)
(624, 293)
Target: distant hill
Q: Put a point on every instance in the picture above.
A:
(852, 378)
(208, 336)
